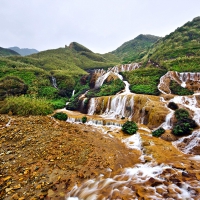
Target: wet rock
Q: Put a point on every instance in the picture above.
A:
(168, 136)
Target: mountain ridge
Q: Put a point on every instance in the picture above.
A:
(7, 52)
(135, 49)
(23, 51)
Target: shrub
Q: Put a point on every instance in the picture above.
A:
(181, 114)
(24, 106)
(184, 126)
(58, 103)
(12, 85)
(177, 89)
(84, 119)
(61, 116)
(158, 132)
(130, 127)
(107, 89)
(172, 106)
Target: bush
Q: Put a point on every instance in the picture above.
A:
(130, 127)
(178, 90)
(58, 103)
(158, 132)
(107, 89)
(184, 127)
(61, 116)
(24, 106)
(12, 85)
(181, 114)
(84, 119)
(172, 106)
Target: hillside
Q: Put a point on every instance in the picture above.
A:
(7, 52)
(134, 50)
(180, 50)
(52, 74)
(24, 51)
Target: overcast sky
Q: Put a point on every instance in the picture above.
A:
(100, 25)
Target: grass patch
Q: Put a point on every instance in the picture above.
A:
(25, 106)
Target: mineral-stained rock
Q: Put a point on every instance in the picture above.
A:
(49, 155)
(168, 136)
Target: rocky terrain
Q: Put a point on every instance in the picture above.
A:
(42, 158)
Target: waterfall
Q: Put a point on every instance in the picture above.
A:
(73, 92)
(188, 144)
(113, 71)
(99, 82)
(119, 106)
(181, 78)
(191, 103)
(54, 82)
(92, 106)
(188, 76)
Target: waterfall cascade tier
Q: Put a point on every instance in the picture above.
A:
(146, 109)
(191, 80)
(102, 75)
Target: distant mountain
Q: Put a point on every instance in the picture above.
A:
(24, 51)
(7, 52)
(180, 50)
(134, 50)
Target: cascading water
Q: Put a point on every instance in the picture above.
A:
(189, 143)
(73, 92)
(181, 78)
(156, 181)
(191, 103)
(114, 72)
(141, 181)
(54, 82)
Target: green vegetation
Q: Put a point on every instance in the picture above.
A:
(144, 80)
(58, 103)
(134, 50)
(178, 90)
(178, 51)
(107, 89)
(7, 52)
(24, 106)
(184, 127)
(84, 119)
(130, 127)
(61, 116)
(181, 114)
(158, 132)
(184, 124)
(12, 85)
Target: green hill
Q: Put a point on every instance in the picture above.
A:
(7, 52)
(32, 75)
(180, 50)
(24, 51)
(134, 50)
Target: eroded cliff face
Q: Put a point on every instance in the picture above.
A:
(190, 80)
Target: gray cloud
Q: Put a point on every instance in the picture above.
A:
(101, 25)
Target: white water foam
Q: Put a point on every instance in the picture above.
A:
(186, 144)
